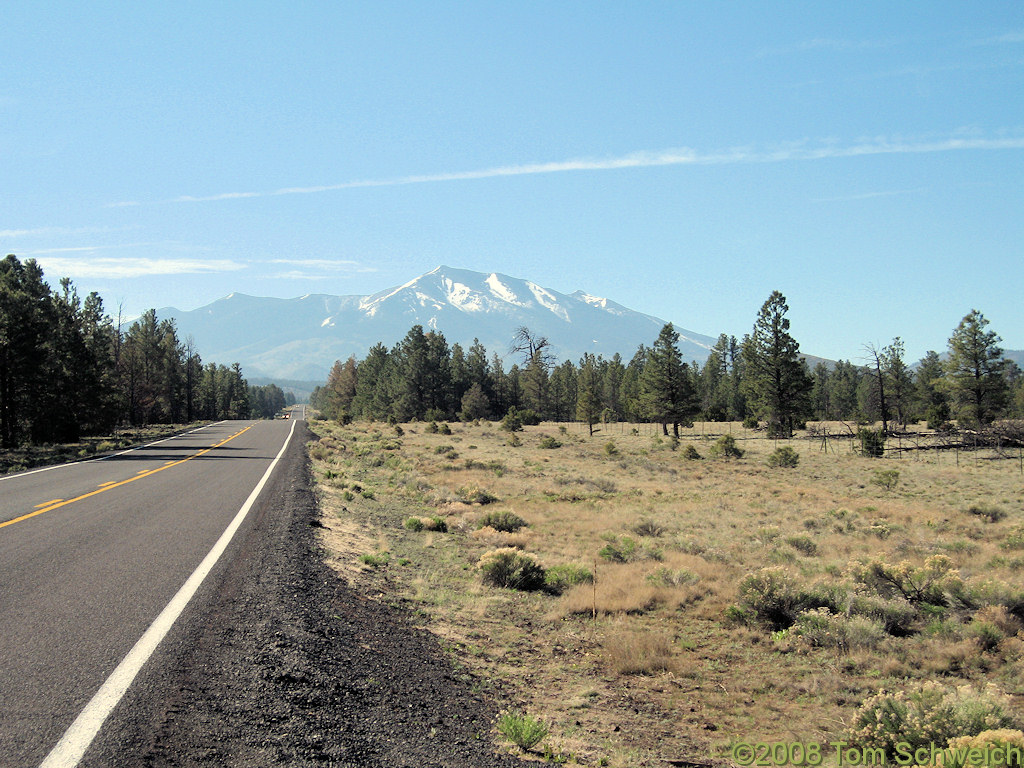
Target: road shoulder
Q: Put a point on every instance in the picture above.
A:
(280, 662)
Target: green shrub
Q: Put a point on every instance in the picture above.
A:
(886, 478)
(1014, 539)
(433, 414)
(783, 456)
(772, 597)
(725, 448)
(431, 428)
(529, 417)
(987, 512)
(751, 422)
(559, 578)
(512, 421)
(414, 524)
(377, 560)
(506, 521)
(691, 454)
(549, 442)
(934, 583)
(444, 429)
(929, 714)
(475, 495)
(872, 442)
(803, 544)
(821, 628)
(509, 568)
(344, 418)
(665, 577)
(514, 440)
(648, 528)
(621, 549)
(610, 449)
(524, 731)
(897, 616)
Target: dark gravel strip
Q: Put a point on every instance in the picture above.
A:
(281, 663)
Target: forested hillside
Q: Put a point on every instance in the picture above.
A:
(761, 377)
(67, 369)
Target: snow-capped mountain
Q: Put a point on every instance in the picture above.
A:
(301, 338)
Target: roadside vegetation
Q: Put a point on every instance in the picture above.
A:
(634, 601)
(70, 373)
(30, 456)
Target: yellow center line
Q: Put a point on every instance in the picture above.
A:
(57, 503)
(47, 503)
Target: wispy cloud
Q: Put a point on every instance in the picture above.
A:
(331, 265)
(822, 44)
(793, 152)
(51, 231)
(1016, 36)
(121, 267)
(870, 195)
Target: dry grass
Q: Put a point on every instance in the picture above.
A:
(642, 664)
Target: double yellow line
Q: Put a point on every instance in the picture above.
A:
(58, 503)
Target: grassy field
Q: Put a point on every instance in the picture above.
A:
(692, 601)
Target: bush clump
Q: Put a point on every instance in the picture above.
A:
(987, 512)
(930, 714)
(772, 597)
(783, 457)
(621, 549)
(886, 478)
(549, 443)
(475, 495)
(691, 454)
(934, 583)
(509, 568)
(559, 578)
(821, 628)
(435, 523)
(725, 448)
(506, 521)
(524, 731)
(872, 442)
(803, 544)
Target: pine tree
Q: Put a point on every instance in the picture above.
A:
(667, 395)
(975, 371)
(588, 398)
(776, 378)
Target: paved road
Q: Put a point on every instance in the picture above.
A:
(91, 553)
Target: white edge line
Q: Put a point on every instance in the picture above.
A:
(103, 458)
(76, 740)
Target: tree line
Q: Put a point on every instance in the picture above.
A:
(67, 369)
(760, 378)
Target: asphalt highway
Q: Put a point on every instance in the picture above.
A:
(90, 555)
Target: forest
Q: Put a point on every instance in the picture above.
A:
(67, 369)
(759, 379)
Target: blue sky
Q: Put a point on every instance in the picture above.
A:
(684, 159)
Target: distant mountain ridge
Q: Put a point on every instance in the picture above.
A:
(301, 338)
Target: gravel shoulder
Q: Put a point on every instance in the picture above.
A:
(279, 662)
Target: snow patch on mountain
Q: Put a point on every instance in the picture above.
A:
(547, 300)
(502, 291)
(462, 296)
